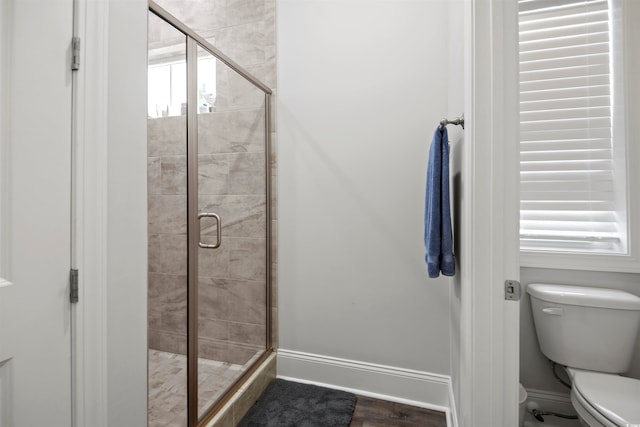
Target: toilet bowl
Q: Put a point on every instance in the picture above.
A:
(592, 331)
(605, 400)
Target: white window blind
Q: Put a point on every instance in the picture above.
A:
(567, 186)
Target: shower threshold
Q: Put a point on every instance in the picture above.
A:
(168, 386)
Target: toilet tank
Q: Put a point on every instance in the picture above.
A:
(586, 328)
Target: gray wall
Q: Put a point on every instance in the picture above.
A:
(362, 87)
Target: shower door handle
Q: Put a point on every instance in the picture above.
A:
(218, 231)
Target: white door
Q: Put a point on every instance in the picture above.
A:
(35, 188)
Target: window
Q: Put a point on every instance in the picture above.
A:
(572, 139)
(167, 94)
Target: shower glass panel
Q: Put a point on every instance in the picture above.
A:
(232, 278)
(209, 234)
(167, 225)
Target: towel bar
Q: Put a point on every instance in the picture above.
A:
(456, 121)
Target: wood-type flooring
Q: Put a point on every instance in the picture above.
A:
(371, 412)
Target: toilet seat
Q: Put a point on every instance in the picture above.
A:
(609, 399)
(586, 413)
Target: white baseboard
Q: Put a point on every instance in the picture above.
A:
(551, 401)
(416, 388)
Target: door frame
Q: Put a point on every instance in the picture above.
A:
(89, 223)
(489, 359)
(109, 347)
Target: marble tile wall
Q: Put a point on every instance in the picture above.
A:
(231, 181)
(244, 30)
(231, 278)
(167, 228)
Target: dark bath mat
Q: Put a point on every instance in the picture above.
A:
(290, 404)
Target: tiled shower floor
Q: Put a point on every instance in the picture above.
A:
(168, 386)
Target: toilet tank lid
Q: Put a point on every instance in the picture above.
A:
(584, 296)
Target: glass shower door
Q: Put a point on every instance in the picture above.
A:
(167, 225)
(208, 224)
(232, 208)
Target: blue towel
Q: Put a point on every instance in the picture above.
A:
(438, 237)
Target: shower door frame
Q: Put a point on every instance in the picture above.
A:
(193, 41)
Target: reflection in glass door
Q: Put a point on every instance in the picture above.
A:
(208, 225)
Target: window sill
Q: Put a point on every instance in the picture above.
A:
(580, 261)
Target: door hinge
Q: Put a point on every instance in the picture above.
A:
(512, 290)
(75, 55)
(73, 280)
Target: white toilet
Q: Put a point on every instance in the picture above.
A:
(592, 332)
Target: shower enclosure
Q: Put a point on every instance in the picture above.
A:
(208, 222)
